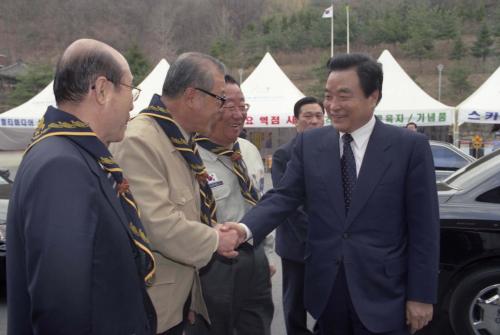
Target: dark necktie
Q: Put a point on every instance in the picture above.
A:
(348, 168)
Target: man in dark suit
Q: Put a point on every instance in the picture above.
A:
(369, 188)
(78, 257)
(291, 235)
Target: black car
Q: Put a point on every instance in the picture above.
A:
(469, 280)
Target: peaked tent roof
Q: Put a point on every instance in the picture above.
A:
(17, 124)
(482, 106)
(404, 101)
(271, 96)
(152, 84)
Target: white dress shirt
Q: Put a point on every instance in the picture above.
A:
(360, 141)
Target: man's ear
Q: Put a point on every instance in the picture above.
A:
(189, 96)
(101, 89)
(374, 98)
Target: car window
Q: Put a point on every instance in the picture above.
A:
(3, 181)
(481, 169)
(447, 159)
(491, 196)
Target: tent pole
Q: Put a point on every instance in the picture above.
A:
(331, 32)
(347, 19)
(456, 138)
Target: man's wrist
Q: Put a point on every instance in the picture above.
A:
(248, 232)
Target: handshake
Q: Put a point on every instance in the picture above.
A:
(231, 235)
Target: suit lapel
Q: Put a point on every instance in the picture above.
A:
(109, 192)
(329, 162)
(375, 162)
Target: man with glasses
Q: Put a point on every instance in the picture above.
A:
(237, 291)
(170, 182)
(78, 254)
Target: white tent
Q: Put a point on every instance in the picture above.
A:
(17, 124)
(271, 96)
(483, 106)
(152, 84)
(404, 101)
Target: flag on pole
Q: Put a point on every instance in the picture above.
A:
(328, 13)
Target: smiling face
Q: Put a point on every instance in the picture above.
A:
(227, 128)
(345, 102)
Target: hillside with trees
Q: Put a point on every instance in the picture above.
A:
(463, 35)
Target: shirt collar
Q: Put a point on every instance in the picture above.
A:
(362, 135)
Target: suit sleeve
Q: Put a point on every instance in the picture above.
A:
(61, 218)
(279, 203)
(298, 219)
(279, 166)
(422, 217)
(177, 238)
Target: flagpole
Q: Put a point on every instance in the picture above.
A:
(331, 37)
(347, 13)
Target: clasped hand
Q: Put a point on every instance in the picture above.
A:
(231, 235)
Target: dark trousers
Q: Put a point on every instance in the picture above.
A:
(238, 295)
(293, 298)
(179, 329)
(339, 316)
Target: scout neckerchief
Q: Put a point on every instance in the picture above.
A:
(58, 123)
(190, 153)
(247, 189)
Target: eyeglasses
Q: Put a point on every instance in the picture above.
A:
(135, 90)
(222, 99)
(240, 108)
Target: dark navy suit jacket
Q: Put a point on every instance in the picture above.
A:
(70, 260)
(291, 236)
(389, 241)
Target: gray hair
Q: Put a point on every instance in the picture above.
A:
(191, 69)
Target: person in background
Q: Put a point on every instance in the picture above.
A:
(411, 126)
(291, 236)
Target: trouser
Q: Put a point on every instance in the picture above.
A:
(340, 317)
(238, 295)
(293, 297)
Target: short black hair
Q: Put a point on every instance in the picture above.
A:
(190, 69)
(369, 71)
(306, 101)
(411, 123)
(77, 73)
(230, 80)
